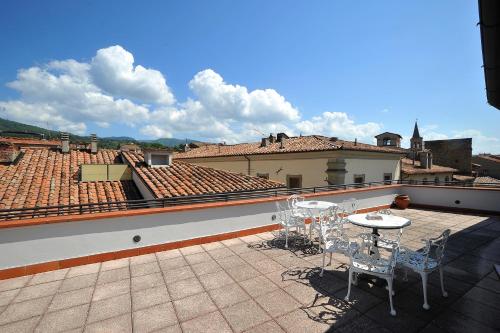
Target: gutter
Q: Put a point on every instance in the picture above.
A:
(248, 167)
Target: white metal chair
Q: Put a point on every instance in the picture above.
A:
(349, 206)
(389, 236)
(336, 241)
(426, 261)
(325, 221)
(364, 263)
(287, 221)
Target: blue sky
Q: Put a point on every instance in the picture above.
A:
(227, 70)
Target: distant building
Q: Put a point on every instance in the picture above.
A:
(302, 161)
(453, 153)
(418, 162)
(487, 165)
(388, 139)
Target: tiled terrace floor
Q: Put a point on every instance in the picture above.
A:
(253, 284)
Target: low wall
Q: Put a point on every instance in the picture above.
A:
(483, 200)
(53, 243)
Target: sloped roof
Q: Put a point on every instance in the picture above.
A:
(182, 179)
(291, 145)
(31, 142)
(395, 134)
(416, 133)
(407, 167)
(47, 177)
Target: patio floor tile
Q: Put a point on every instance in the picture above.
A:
(63, 320)
(14, 283)
(215, 280)
(113, 275)
(48, 276)
(117, 324)
(209, 323)
(277, 303)
(83, 270)
(185, 288)
(194, 306)
(154, 318)
(258, 286)
(245, 315)
(228, 295)
(27, 325)
(109, 308)
(147, 281)
(24, 310)
(149, 297)
(36, 291)
(115, 264)
(112, 289)
(71, 298)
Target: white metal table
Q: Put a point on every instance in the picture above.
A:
(386, 222)
(314, 207)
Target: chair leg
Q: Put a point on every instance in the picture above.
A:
(389, 284)
(286, 237)
(445, 294)
(424, 287)
(323, 268)
(349, 287)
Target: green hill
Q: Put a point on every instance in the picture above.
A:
(112, 142)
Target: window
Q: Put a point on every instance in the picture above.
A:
(387, 177)
(446, 179)
(263, 175)
(387, 142)
(436, 180)
(294, 181)
(359, 179)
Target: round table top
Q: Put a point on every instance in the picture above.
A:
(387, 221)
(321, 205)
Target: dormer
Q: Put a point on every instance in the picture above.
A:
(157, 158)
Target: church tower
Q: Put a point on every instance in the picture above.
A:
(416, 141)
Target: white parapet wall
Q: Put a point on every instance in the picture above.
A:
(479, 199)
(28, 245)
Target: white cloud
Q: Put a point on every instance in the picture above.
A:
(68, 95)
(113, 70)
(339, 124)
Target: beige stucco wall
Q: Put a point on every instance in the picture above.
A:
(311, 165)
(429, 177)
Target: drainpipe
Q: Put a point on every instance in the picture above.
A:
(248, 159)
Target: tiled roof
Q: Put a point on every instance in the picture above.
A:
(408, 168)
(30, 142)
(47, 177)
(486, 180)
(493, 158)
(291, 145)
(181, 179)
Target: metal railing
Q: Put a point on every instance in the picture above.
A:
(99, 207)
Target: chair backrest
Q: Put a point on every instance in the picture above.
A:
(283, 213)
(434, 247)
(365, 256)
(293, 199)
(350, 206)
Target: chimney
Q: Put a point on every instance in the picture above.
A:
(272, 139)
(93, 143)
(186, 147)
(65, 142)
(264, 142)
(356, 141)
(281, 136)
(8, 152)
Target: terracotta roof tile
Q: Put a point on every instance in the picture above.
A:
(31, 142)
(47, 177)
(408, 168)
(291, 145)
(181, 179)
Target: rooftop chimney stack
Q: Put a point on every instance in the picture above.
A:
(65, 142)
(356, 141)
(8, 152)
(264, 142)
(272, 139)
(93, 143)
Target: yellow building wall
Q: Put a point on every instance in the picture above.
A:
(312, 166)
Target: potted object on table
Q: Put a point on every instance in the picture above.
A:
(402, 201)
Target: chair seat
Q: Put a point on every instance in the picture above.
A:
(371, 264)
(416, 260)
(340, 245)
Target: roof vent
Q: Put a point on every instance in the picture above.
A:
(65, 142)
(158, 158)
(93, 143)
